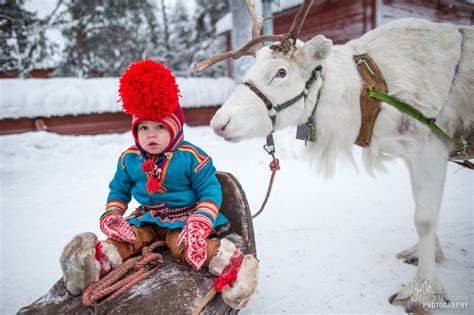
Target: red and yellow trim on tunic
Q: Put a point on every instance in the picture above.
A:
(202, 160)
(208, 207)
(114, 206)
(202, 164)
(131, 150)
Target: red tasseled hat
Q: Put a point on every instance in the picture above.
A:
(149, 91)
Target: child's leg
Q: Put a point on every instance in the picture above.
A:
(85, 259)
(145, 235)
(178, 251)
(222, 255)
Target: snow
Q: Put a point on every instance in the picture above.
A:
(224, 24)
(325, 246)
(42, 9)
(74, 96)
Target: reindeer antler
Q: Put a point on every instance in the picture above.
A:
(252, 46)
(299, 20)
(257, 24)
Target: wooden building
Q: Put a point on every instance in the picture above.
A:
(343, 20)
(36, 73)
(91, 124)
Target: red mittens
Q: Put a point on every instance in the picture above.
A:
(115, 227)
(194, 234)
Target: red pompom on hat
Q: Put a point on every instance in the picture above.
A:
(148, 90)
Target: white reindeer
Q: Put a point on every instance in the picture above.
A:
(426, 64)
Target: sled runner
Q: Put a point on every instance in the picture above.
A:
(175, 288)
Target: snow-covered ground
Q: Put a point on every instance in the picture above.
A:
(325, 246)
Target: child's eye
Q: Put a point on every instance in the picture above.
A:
(161, 127)
(142, 128)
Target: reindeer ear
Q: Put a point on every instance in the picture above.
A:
(316, 50)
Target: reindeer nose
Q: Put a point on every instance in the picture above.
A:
(219, 128)
(222, 128)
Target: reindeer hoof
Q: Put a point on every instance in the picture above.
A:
(410, 255)
(418, 295)
(402, 297)
(412, 260)
(410, 306)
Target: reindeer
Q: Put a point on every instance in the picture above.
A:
(425, 64)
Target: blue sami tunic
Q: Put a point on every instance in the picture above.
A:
(187, 178)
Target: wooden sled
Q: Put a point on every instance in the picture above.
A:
(175, 288)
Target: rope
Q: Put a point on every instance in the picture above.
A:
(274, 166)
(110, 284)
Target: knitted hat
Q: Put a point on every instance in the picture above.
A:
(148, 91)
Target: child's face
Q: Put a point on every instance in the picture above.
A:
(153, 136)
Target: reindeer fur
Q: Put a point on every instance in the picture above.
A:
(426, 64)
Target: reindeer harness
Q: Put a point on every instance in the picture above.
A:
(369, 107)
(274, 110)
(374, 92)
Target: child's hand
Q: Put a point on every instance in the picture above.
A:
(115, 227)
(194, 234)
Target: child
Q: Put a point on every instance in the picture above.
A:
(175, 183)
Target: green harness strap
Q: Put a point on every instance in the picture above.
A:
(430, 122)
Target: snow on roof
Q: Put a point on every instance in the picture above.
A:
(224, 24)
(29, 98)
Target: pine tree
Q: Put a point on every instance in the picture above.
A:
(205, 41)
(180, 44)
(104, 37)
(23, 44)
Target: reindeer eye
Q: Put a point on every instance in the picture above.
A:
(281, 73)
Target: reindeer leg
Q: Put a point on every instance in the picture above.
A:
(428, 171)
(410, 255)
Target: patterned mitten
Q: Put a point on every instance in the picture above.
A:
(115, 227)
(194, 234)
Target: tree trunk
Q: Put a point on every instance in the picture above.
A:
(165, 27)
(241, 34)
